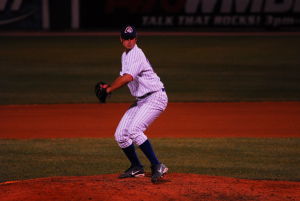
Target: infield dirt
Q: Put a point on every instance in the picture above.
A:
(245, 119)
(272, 119)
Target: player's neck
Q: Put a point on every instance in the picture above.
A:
(127, 50)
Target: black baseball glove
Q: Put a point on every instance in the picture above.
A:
(100, 90)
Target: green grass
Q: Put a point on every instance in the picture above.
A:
(252, 158)
(220, 68)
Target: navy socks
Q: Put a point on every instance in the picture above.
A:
(132, 156)
(148, 151)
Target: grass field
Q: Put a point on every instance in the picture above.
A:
(193, 68)
(275, 159)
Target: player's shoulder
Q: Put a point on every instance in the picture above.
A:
(139, 51)
(135, 52)
(123, 55)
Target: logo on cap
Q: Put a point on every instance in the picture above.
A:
(128, 29)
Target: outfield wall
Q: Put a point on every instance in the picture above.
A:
(149, 14)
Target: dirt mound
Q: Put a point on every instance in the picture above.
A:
(175, 186)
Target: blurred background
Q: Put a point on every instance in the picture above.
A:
(149, 14)
(54, 51)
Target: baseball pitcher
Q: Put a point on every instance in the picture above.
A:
(151, 100)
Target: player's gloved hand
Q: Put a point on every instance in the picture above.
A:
(100, 90)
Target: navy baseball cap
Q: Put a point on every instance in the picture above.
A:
(128, 32)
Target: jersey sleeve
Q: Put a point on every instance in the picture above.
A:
(131, 66)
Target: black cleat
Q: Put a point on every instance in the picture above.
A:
(158, 171)
(135, 171)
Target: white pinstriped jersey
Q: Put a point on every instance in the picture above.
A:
(145, 80)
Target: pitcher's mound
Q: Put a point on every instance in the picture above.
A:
(175, 186)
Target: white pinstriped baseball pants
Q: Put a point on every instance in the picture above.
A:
(138, 117)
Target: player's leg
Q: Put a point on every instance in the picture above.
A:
(122, 138)
(148, 110)
(121, 133)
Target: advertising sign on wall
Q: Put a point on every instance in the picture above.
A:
(106, 14)
(191, 13)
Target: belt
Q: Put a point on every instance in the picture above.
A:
(148, 94)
